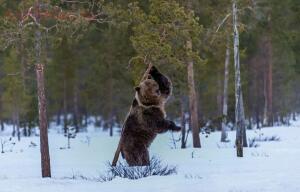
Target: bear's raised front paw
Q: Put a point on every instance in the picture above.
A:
(176, 128)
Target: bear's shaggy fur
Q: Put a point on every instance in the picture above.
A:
(148, 93)
(146, 119)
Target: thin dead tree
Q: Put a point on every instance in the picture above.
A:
(226, 78)
(225, 91)
(239, 108)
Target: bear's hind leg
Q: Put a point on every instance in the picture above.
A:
(131, 157)
(145, 158)
(137, 157)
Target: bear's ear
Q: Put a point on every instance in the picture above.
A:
(137, 88)
(153, 69)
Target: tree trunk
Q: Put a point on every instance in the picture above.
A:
(257, 116)
(219, 101)
(250, 123)
(58, 120)
(2, 125)
(270, 81)
(239, 121)
(110, 100)
(23, 73)
(76, 111)
(65, 108)
(14, 125)
(86, 119)
(23, 63)
(42, 107)
(44, 147)
(111, 126)
(183, 122)
(25, 130)
(245, 142)
(193, 107)
(225, 93)
(18, 124)
(265, 118)
(29, 130)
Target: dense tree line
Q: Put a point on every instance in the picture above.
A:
(94, 55)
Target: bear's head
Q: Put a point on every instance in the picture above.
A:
(148, 93)
(164, 83)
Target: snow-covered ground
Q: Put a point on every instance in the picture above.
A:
(273, 166)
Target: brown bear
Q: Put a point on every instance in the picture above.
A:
(146, 118)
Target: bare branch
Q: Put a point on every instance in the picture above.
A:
(223, 21)
(13, 74)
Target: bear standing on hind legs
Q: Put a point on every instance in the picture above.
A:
(146, 118)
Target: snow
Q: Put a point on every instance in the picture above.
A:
(273, 166)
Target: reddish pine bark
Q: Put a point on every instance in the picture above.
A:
(42, 107)
(193, 106)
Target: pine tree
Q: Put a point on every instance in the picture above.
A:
(161, 41)
(15, 98)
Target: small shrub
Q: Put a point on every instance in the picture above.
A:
(79, 176)
(259, 154)
(192, 176)
(266, 138)
(156, 168)
(6, 143)
(252, 143)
